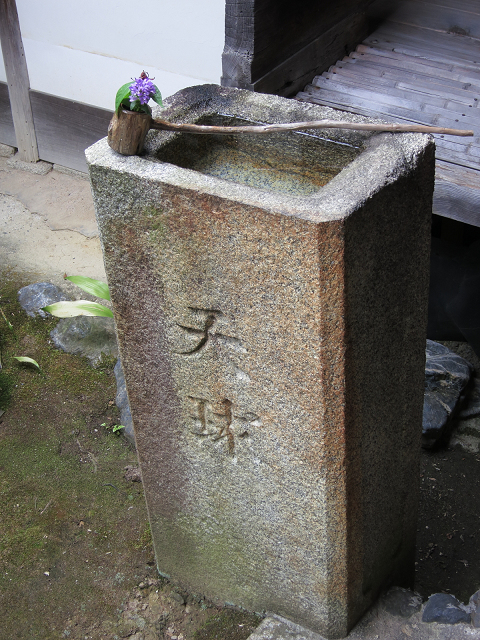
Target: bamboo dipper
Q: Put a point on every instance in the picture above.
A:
(128, 129)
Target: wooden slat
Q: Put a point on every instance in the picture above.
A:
(460, 45)
(420, 50)
(424, 85)
(393, 60)
(412, 70)
(471, 6)
(439, 18)
(369, 70)
(17, 80)
(417, 44)
(443, 99)
(390, 113)
(457, 193)
(402, 106)
(65, 128)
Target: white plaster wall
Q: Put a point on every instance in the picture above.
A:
(85, 50)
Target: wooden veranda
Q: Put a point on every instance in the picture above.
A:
(421, 65)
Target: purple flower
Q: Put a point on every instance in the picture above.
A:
(142, 89)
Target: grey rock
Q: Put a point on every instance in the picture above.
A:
(475, 608)
(35, 296)
(123, 404)
(445, 608)
(89, 336)
(447, 376)
(402, 602)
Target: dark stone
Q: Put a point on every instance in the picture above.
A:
(402, 602)
(472, 405)
(89, 336)
(447, 376)
(475, 606)
(35, 296)
(123, 404)
(444, 608)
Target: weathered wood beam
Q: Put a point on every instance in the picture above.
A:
(17, 80)
(274, 46)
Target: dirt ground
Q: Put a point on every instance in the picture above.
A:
(448, 543)
(76, 559)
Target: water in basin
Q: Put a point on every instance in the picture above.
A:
(295, 163)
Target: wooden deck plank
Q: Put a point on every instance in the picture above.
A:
(457, 193)
(441, 18)
(422, 47)
(374, 53)
(420, 92)
(460, 44)
(470, 6)
(425, 45)
(413, 70)
(394, 60)
(389, 113)
(345, 99)
(375, 70)
(456, 115)
(409, 82)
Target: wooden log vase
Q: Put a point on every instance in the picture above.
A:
(127, 129)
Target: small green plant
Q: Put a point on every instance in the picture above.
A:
(23, 359)
(115, 428)
(72, 308)
(9, 324)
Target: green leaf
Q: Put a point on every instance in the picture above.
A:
(122, 94)
(9, 324)
(27, 360)
(78, 308)
(135, 106)
(95, 287)
(158, 96)
(117, 427)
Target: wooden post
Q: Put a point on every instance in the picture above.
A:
(17, 80)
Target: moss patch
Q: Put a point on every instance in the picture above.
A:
(76, 558)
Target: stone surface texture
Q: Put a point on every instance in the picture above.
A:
(475, 609)
(402, 602)
(259, 317)
(121, 400)
(447, 376)
(446, 609)
(92, 337)
(34, 297)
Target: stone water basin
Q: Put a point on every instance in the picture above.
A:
(294, 163)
